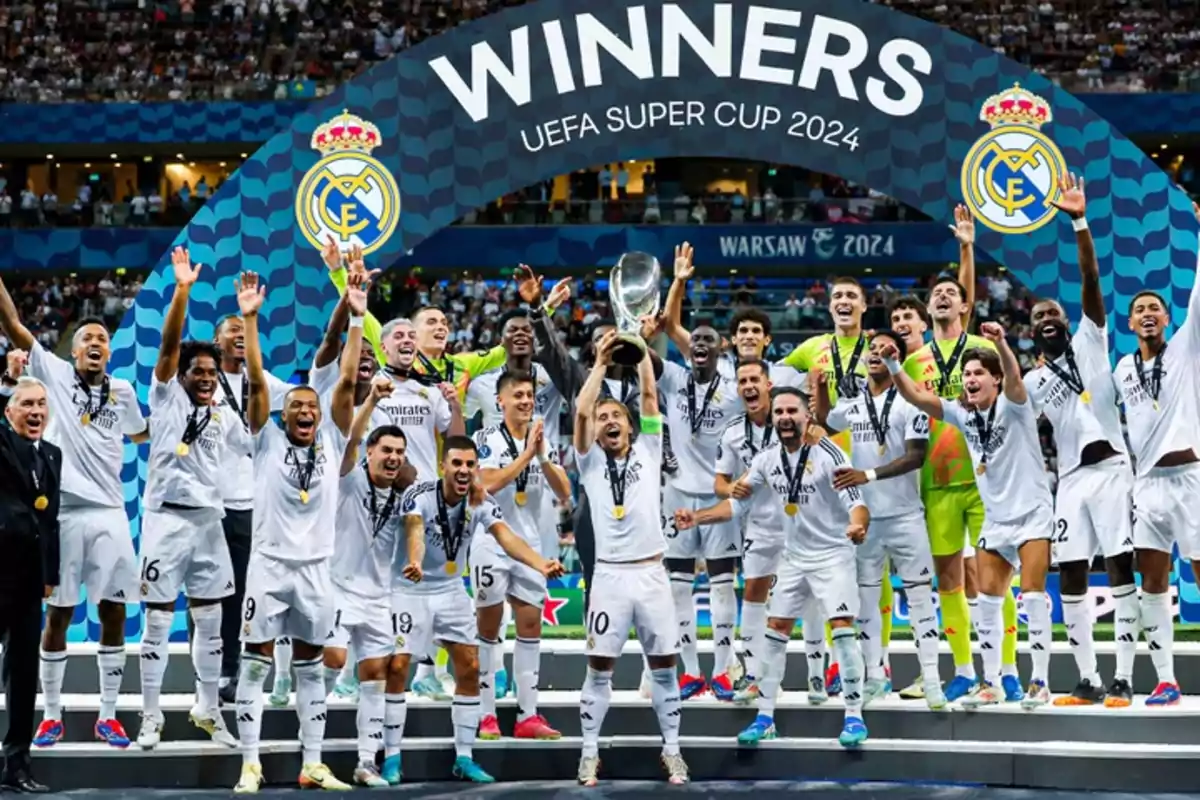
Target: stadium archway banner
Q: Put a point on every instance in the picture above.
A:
(883, 99)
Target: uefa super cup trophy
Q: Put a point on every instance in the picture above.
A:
(633, 290)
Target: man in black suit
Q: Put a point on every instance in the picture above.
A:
(29, 499)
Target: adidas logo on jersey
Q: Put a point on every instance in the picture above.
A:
(842, 609)
(119, 594)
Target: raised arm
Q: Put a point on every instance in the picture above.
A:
(964, 232)
(919, 396)
(172, 336)
(372, 329)
(10, 322)
(565, 373)
(341, 404)
(331, 342)
(589, 395)
(647, 387)
(673, 312)
(1014, 387)
(381, 387)
(250, 296)
(457, 425)
(1073, 202)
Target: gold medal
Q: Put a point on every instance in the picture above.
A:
(182, 449)
(619, 512)
(451, 568)
(304, 496)
(85, 420)
(1156, 405)
(1085, 396)
(521, 498)
(41, 503)
(882, 449)
(981, 469)
(791, 509)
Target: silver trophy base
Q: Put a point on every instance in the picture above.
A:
(629, 350)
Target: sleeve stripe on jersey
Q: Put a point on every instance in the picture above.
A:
(834, 452)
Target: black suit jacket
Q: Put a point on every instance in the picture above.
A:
(28, 537)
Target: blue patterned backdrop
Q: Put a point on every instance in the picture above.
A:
(446, 165)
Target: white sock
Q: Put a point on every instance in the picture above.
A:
(349, 673)
(310, 707)
(154, 659)
(923, 617)
(441, 669)
(423, 672)
(370, 720)
(1127, 624)
(870, 629)
(814, 643)
(1037, 611)
(593, 706)
(665, 699)
(283, 660)
(206, 655)
(990, 630)
(111, 664)
(252, 675)
(1160, 634)
(498, 656)
(331, 678)
(722, 608)
(754, 626)
(850, 663)
(685, 613)
(51, 670)
(395, 714)
(487, 678)
(973, 613)
(527, 656)
(773, 660)
(465, 715)
(1077, 614)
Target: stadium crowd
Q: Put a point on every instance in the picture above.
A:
(130, 50)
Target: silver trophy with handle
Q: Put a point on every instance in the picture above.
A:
(633, 291)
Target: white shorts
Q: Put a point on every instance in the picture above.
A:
(723, 540)
(834, 587)
(904, 540)
(761, 551)
(1006, 538)
(495, 576)
(284, 599)
(184, 550)
(96, 551)
(364, 625)
(436, 618)
(1166, 510)
(1093, 512)
(634, 596)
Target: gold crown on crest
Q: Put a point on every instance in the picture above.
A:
(345, 132)
(1016, 106)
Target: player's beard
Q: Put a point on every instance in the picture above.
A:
(1056, 343)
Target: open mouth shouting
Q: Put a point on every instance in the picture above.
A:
(390, 467)
(700, 354)
(843, 313)
(522, 344)
(239, 347)
(35, 424)
(306, 426)
(611, 434)
(94, 357)
(462, 481)
(751, 395)
(204, 390)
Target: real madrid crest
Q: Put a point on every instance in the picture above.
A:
(1010, 176)
(348, 194)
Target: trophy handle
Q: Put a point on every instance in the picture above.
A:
(629, 350)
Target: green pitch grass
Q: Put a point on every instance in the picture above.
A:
(1104, 633)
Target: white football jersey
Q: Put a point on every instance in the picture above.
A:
(779, 375)
(524, 519)
(422, 413)
(296, 493)
(1077, 423)
(1162, 426)
(1014, 481)
(324, 379)
(92, 453)
(237, 484)
(901, 423)
(368, 528)
(638, 534)
(697, 415)
(741, 442)
(816, 533)
(194, 479)
(482, 396)
(445, 550)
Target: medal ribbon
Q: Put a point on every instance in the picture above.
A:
(766, 440)
(1071, 375)
(1154, 386)
(522, 479)
(985, 432)
(239, 409)
(195, 426)
(432, 372)
(310, 465)
(86, 388)
(35, 472)
(695, 419)
(794, 479)
(451, 539)
(846, 379)
(946, 368)
(616, 481)
(879, 420)
(379, 518)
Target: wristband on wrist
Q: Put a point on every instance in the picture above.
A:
(870, 475)
(356, 322)
(1079, 224)
(893, 366)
